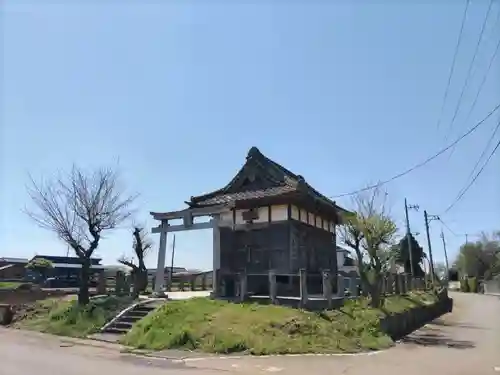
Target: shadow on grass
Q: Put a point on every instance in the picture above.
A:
(435, 337)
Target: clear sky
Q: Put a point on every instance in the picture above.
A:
(343, 93)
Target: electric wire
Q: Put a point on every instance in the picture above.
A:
(485, 149)
(453, 63)
(469, 185)
(423, 163)
(469, 71)
(485, 77)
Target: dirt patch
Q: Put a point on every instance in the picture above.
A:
(23, 296)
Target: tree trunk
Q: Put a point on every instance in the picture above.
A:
(375, 292)
(143, 280)
(83, 293)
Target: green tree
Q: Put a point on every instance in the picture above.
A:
(40, 265)
(480, 259)
(141, 246)
(401, 255)
(370, 232)
(80, 208)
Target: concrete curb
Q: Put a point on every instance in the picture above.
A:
(182, 359)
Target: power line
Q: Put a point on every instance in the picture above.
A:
(421, 164)
(471, 65)
(485, 77)
(453, 62)
(448, 228)
(464, 190)
(485, 149)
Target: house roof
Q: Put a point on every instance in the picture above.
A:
(66, 260)
(72, 265)
(261, 177)
(13, 260)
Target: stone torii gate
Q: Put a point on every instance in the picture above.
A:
(188, 223)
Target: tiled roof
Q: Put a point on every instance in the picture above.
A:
(245, 195)
(280, 181)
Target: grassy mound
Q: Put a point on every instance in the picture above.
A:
(222, 327)
(67, 318)
(13, 285)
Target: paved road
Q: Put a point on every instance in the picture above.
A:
(466, 342)
(30, 353)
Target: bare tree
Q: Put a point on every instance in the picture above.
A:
(141, 246)
(369, 231)
(79, 207)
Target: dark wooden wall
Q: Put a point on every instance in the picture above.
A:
(256, 250)
(285, 247)
(312, 248)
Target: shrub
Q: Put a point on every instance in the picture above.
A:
(473, 285)
(464, 286)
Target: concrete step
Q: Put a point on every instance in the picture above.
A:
(121, 324)
(138, 313)
(117, 331)
(146, 308)
(131, 318)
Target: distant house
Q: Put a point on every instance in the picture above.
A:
(176, 270)
(345, 263)
(65, 268)
(12, 268)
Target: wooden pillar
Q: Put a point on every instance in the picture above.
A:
(303, 287)
(216, 256)
(162, 252)
(397, 284)
(273, 287)
(243, 286)
(353, 287)
(383, 285)
(404, 285)
(192, 281)
(101, 283)
(327, 287)
(409, 283)
(119, 283)
(390, 284)
(341, 286)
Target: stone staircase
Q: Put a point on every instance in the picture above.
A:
(124, 321)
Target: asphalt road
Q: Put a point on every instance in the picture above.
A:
(30, 353)
(466, 342)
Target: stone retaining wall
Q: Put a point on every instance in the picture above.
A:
(400, 325)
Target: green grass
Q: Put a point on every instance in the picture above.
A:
(10, 284)
(222, 327)
(67, 318)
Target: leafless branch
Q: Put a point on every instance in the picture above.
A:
(79, 207)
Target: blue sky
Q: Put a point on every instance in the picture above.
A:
(343, 93)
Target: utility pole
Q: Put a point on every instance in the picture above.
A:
(408, 235)
(466, 238)
(426, 217)
(445, 254)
